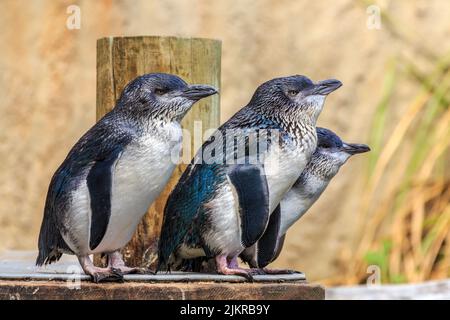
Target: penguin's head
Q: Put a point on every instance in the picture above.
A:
(331, 152)
(162, 95)
(295, 94)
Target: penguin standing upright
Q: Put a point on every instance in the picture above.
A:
(108, 180)
(223, 201)
(331, 153)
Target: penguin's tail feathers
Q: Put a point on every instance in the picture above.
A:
(167, 262)
(51, 244)
(200, 264)
(46, 257)
(163, 262)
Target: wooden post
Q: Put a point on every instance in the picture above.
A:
(120, 60)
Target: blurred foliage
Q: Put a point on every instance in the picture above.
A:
(406, 200)
(404, 210)
(379, 120)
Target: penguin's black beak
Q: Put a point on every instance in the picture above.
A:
(355, 148)
(198, 91)
(325, 87)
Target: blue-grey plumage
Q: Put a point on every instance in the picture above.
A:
(114, 172)
(331, 153)
(220, 207)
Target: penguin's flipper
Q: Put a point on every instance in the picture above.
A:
(279, 247)
(251, 187)
(97, 145)
(99, 182)
(267, 244)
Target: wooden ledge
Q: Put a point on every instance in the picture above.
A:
(59, 290)
(19, 279)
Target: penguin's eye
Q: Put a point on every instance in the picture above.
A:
(160, 91)
(293, 93)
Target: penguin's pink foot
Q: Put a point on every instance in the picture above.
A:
(230, 267)
(115, 261)
(100, 274)
(234, 264)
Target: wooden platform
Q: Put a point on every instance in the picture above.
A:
(19, 279)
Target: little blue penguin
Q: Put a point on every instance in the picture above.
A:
(331, 153)
(223, 201)
(110, 177)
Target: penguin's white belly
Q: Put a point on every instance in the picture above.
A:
(293, 206)
(282, 169)
(298, 200)
(77, 219)
(225, 234)
(140, 174)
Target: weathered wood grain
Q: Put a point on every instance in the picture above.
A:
(20, 279)
(121, 59)
(19, 265)
(57, 290)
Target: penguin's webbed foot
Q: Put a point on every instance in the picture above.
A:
(246, 273)
(128, 270)
(257, 271)
(146, 271)
(99, 274)
(230, 267)
(279, 271)
(115, 261)
(107, 275)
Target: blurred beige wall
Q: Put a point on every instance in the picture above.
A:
(47, 88)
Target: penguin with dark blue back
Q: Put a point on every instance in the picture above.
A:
(221, 207)
(108, 180)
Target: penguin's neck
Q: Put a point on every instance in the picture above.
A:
(159, 127)
(146, 113)
(146, 121)
(165, 129)
(294, 122)
(323, 166)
